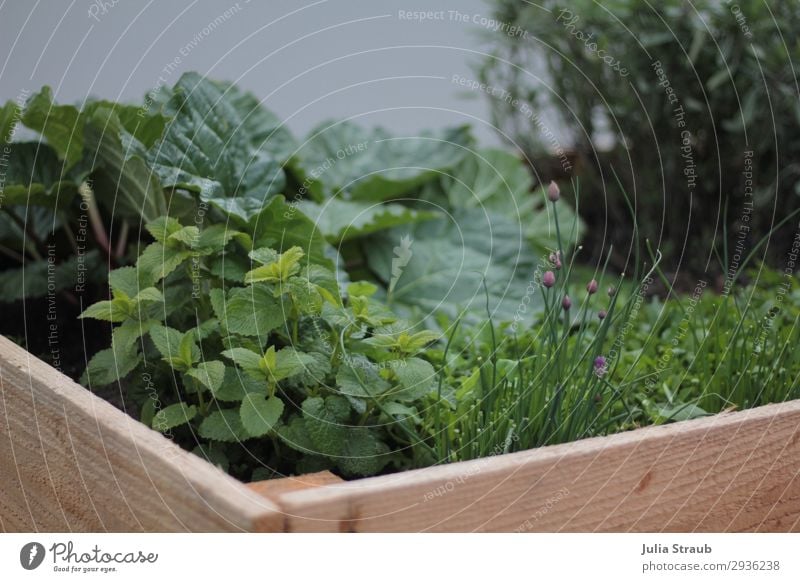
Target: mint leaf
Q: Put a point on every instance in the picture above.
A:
(295, 435)
(357, 372)
(209, 374)
(247, 360)
(253, 311)
(173, 415)
(124, 280)
(235, 386)
(260, 414)
(111, 364)
(363, 454)
(157, 261)
(417, 378)
(223, 426)
(114, 311)
(324, 423)
(163, 227)
(167, 340)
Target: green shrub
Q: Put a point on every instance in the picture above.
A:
(624, 80)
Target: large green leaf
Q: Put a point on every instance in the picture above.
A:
(9, 116)
(128, 186)
(61, 125)
(439, 266)
(492, 179)
(373, 165)
(36, 278)
(210, 147)
(283, 226)
(341, 220)
(33, 176)
(265, 130)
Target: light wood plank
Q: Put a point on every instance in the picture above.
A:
(70, 461)
(732, 472)
(275, 488)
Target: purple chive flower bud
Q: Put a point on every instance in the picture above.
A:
(566, 303)
(601, 315)
(553, 193)
(548, 279)
(612, 291)
(591, 287)
(600, 366)
(555, 259)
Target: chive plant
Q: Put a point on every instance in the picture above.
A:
(548, 384)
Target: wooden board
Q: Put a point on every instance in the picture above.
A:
(276, 488)
(732, 472)
(70, 461)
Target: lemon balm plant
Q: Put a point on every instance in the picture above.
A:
(265, 370)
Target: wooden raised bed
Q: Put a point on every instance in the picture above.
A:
(70, 461)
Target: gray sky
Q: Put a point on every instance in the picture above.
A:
(309, 60)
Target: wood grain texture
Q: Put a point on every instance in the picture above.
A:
(70, 461)
(275, 488)
(732, 472)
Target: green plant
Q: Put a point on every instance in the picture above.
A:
(269, 362)
(693, 103)
(339, 304)
(60, 190)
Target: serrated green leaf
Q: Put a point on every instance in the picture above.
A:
(157, 261)
(358, 377)
(361, 289)
(295, 435)
(260, 414)
(417, 378)
(223, 426)
(215, 237)
(124, 280)
(149, 295)
(209, 374)
(188, 236)
(364, 454)
(235, 386)
(247, 360)
(173, 415)
(253, 311)
(290, 362)
(324, 423)
(163, 227)
(111, 364)
(115, 311)
(285, 226)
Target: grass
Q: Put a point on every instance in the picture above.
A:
(605, 362)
